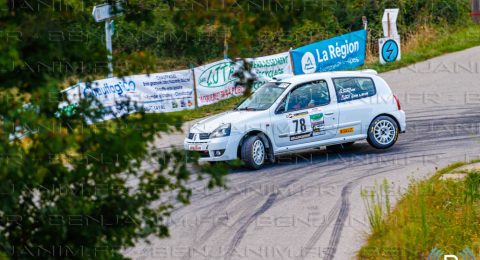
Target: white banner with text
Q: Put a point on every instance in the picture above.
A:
(215, 81)
(156, 93)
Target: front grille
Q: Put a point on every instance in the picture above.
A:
(204, 136)
(200, 136)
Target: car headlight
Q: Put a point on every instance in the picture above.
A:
(189, 135)
(221, 131)
(189, 132)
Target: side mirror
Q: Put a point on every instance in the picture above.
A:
(280, 109)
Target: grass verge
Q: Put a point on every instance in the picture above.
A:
(434, 213)
(432, 42)
(208, 110)
(424, 44)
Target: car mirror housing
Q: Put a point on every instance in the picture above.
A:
(280, 109)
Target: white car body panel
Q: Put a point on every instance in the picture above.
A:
(342, 121)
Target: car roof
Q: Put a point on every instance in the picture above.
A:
(320, 75)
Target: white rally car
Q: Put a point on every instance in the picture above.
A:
(288, 114)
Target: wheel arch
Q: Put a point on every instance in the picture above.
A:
(371, 140)
(389, 115)
(266, 140)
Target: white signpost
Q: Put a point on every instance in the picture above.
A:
(389, 47)
(105, 12)
(389, 22)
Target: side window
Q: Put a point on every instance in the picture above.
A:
(308, 95)
(353, 88)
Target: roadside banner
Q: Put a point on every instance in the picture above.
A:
(175, 91)
(215, 82)
(339, 53)
(156, 93)
(269, 66)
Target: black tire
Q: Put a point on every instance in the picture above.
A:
(248, 152)
(382, 127)
(339, 147)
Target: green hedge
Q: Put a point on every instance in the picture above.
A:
(198, 35)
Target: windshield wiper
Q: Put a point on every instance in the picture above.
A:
(246, 109)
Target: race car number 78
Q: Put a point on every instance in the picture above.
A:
(303, 126)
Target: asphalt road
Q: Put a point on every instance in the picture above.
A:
(308, 206)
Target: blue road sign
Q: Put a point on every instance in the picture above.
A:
(390, 50)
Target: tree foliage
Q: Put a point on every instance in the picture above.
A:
(78, 190)
(70, 188)
(193, 32)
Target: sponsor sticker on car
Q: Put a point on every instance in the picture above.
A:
(300, 136)
(297, 115)
(317, 119)
(318, 130)
(318, 124)
(346, 130)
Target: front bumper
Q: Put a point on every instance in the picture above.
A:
(208, 148)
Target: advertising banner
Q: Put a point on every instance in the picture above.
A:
(269, 66)
(340, 53)
(215, 82)
(174, 91)
(156, 93)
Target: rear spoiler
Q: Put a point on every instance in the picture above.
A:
(370, 71)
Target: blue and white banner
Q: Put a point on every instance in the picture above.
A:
(155, 93)
(340, 53)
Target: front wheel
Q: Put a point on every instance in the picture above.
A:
(253, 152)
(383, 132)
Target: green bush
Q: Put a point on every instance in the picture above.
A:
(198, 35)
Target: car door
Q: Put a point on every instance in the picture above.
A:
(355, 104)
(305, 115)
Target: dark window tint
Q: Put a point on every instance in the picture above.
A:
(308, 95)
(353, 88)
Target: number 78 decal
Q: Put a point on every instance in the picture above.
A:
(300, 125)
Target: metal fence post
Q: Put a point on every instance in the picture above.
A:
(195, 97)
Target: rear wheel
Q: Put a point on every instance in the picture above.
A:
(383, 132)
(253, 152)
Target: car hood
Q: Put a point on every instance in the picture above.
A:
(236, 118)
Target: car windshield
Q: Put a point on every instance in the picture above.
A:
(264, 97)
